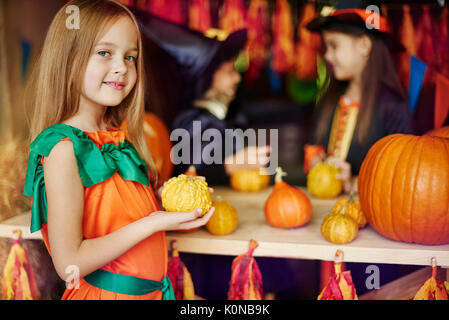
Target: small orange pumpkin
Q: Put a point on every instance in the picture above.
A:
(339, 228)
(224, 220)
(249, 180)
(287, 206)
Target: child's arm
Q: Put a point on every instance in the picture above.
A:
(65, 201)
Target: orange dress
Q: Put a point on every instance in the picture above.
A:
(108, 206)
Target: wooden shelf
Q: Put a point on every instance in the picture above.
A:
(301, 243)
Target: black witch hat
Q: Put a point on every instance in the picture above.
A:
(192, 51)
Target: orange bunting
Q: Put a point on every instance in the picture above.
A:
(283, 38)
(424, 38)
(179, 276)
(233, 16)
(258, 38)
(407, 38)
(432, 289)
(199, 15)
(18, 282)
(246, 278)
(307, 47)
(339, 286)
(171, 10)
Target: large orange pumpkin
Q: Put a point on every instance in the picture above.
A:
(440, 132)
(403, 188)
(159, 145)
(287, 206)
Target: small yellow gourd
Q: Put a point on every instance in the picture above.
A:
(338, 228)
(322, 181)
(352, 210)
(225, 218)
(249, 180)
(185, 193)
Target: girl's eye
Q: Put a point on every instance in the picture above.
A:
(103, 53)
(131, 58)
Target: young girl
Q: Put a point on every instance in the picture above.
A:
(92, 199)
(364, 100)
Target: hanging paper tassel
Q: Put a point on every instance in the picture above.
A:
(443, 43)
(432, 289)
(18, 282)
(246, 279)
(199, 15)
(283, 41)
(340, 286)
(307, 47)
(407, 38)
(171, 10)
(424, 37)
(258, 38)
(441, 100)
(179, 276)
(233, 16)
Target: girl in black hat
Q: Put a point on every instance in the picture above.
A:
(206, 84)
(364, 100)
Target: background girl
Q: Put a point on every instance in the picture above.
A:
(91, 191)
(364, 100)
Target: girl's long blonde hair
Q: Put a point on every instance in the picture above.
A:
(56, 82)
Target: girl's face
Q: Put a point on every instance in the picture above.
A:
(346, 54)
(226, 78)
(111, 70)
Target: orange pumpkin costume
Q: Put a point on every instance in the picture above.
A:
(117, 193)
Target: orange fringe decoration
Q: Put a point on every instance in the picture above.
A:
(199, 15)
(432, 289)
(258, 38)
(407, 38)
(307, 47)
(246, 279)
(234, 16)
(18, 282)
(179, 276)
(340, 285)
(171, 10)
(283, 38)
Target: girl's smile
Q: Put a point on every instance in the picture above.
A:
(115, 84)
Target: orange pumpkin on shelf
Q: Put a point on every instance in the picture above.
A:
(159, 145)
(440, 132)
(352, 209)
(287, 206)
(403, 187)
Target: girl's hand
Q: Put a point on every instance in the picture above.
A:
(165, 221)
(345, 172)
(251, 157)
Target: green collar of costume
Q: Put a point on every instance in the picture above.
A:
(94, 165)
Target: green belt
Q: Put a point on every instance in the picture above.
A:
(125, 284)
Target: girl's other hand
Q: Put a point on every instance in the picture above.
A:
(252, 157)
(165, 221)
(345, 172)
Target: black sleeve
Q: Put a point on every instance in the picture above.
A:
(396, 115)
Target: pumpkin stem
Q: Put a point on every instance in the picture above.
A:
(191, 170)
(279, 174)
(351, 197)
